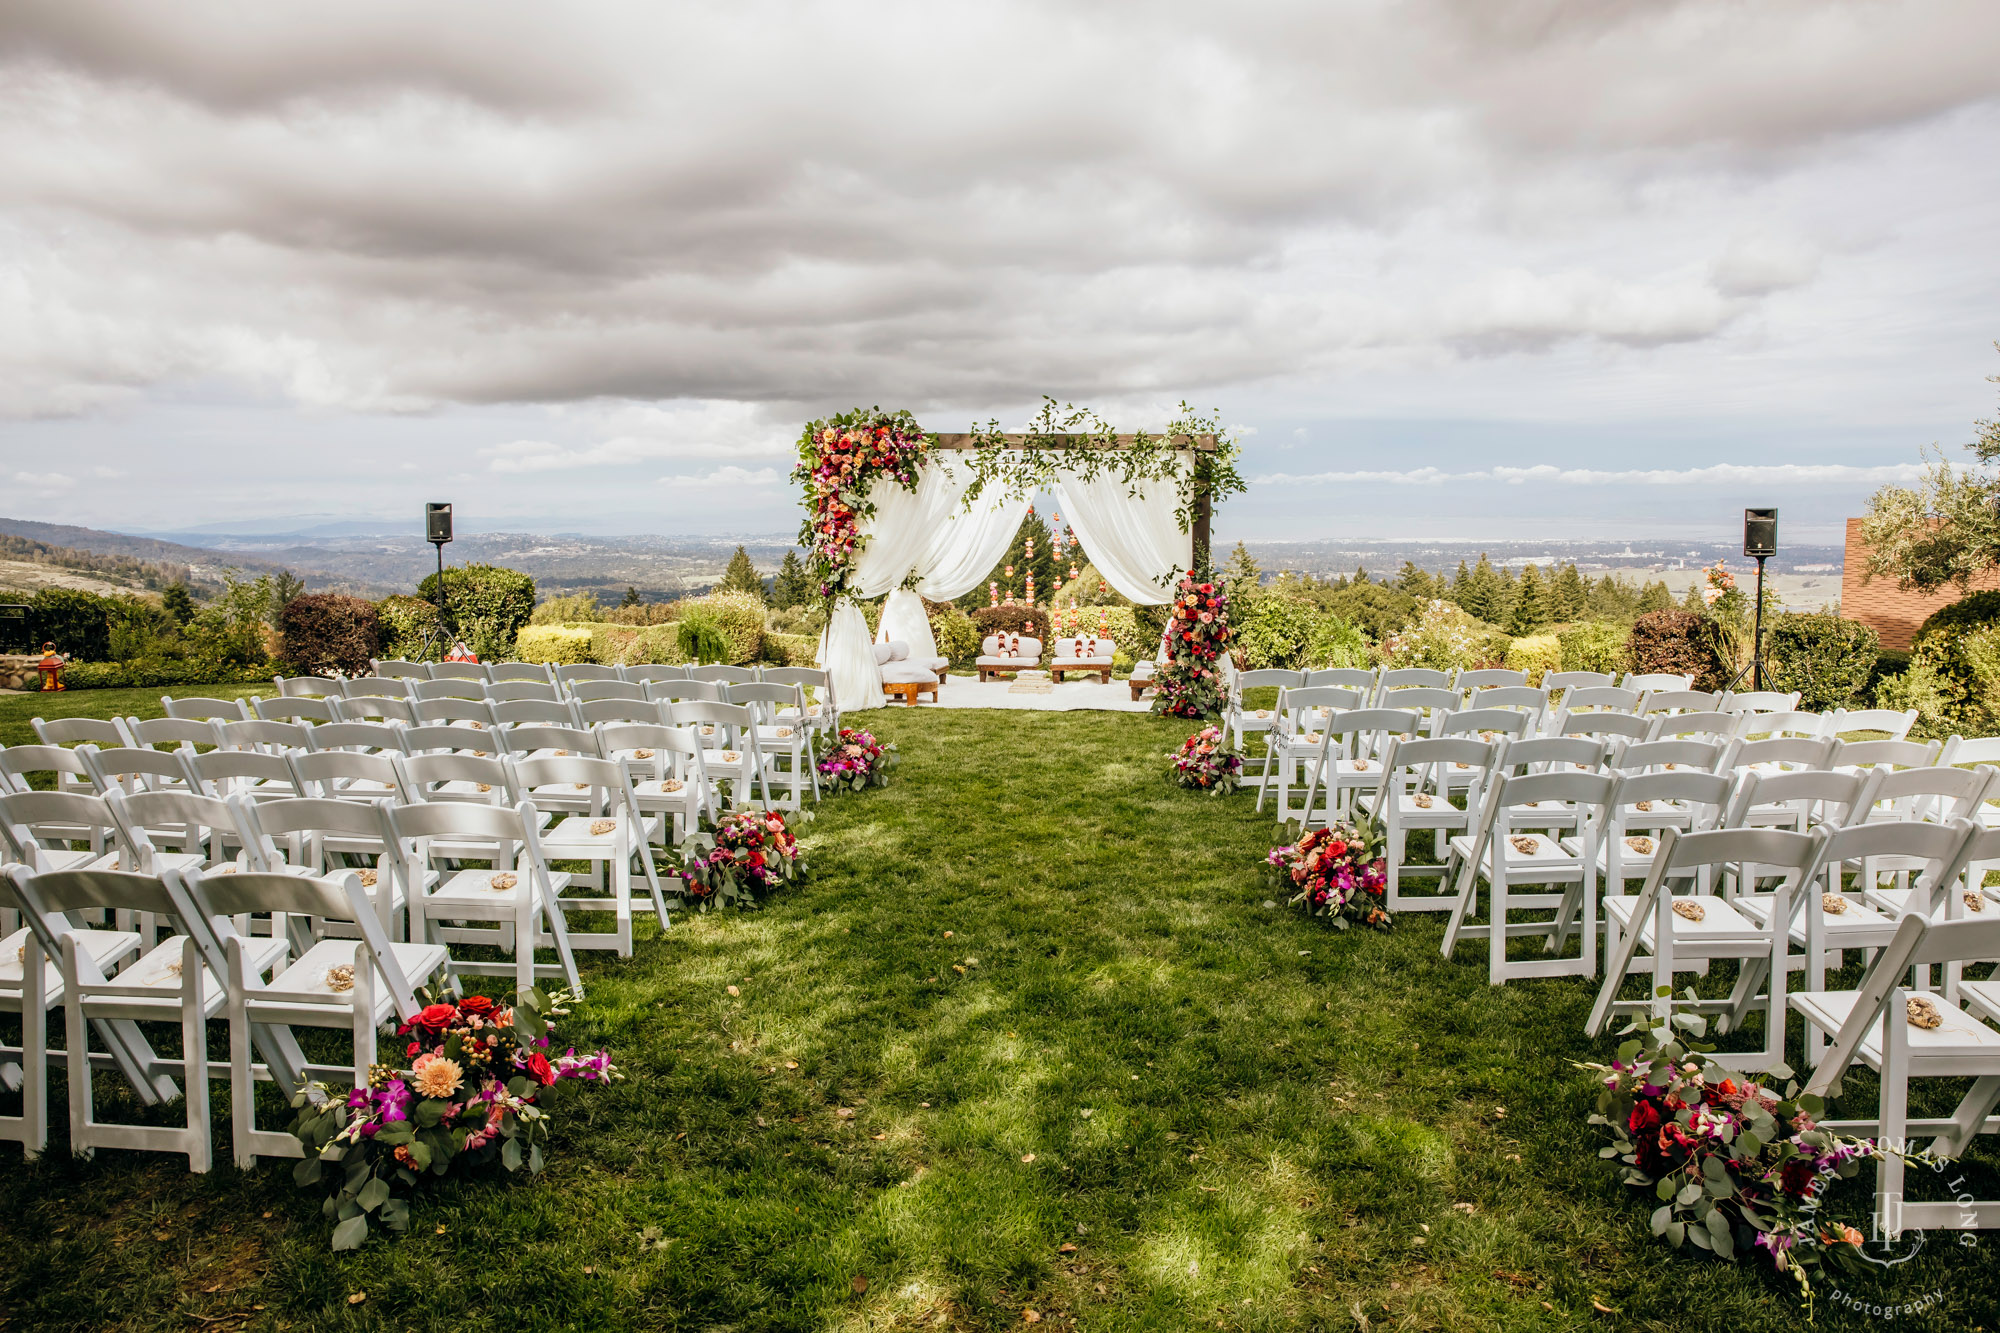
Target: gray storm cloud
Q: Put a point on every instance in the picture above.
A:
(376, 206)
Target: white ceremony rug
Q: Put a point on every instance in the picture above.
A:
(1070, 695)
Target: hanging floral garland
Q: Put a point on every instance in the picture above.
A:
(840, 460)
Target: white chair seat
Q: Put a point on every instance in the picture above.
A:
(1547, 850)
(794, 736)
(1009, 663)
(660, 787)
(1440, 813)
(308, 973)
(1094, 663)
(160, 969)
(1720, 919)
(1959, 1036)
(905, 672)
(476, 886)
(105, 947)
(572, 837)
(1895, 903)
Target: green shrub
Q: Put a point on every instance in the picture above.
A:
(700, 641)
(576, 608)
(735, 619)
(795, 649)
(1919, 686)
(1442, 637)
(162, 673)
(1337, 643)
(322, 633)
(405, 623)
(1274, 632)
(957, 637)
(78, 623)
(1120, 625)
(558, 644)
(1679, 642)
(1536, 654)
(485, 605)
(1594, 646)
(1825, 658)
(1012, 620)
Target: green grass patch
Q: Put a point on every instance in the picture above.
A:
(1240, 1118)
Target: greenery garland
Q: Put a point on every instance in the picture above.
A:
(1068, 437)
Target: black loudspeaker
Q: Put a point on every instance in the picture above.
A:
(437, 523)
(1760, 532)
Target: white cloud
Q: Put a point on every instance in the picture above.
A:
(44, 482)
(1720, 474)
(725, 478)
(108, 473)
(647, 432)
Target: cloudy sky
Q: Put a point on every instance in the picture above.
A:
(1448, 267)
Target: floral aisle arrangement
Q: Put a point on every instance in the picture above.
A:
(746, 855)
(476, 1089)
(1734, 1167)
(1190, 680)
(840, 460)
(857, 761)
(1207, 762)
(1335, 872)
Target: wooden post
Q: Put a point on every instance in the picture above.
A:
(1204, 560)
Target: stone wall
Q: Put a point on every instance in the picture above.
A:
(17, 671)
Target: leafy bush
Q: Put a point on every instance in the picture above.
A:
(1593, 646)
(1337, 643)
(558, 644)
(700, 641)
(735, 619)
(78, 623)
(576, 608)
(405, 623)
(158, 673)
(485, 605)
(1919, 686)
(1536, 654)
(1442, 637)
(1825, 658)
(1679, 642)
(1274, 632)
(957, 637)
(323, 633)
(796, 649)
(1951, 679)
(643, 614)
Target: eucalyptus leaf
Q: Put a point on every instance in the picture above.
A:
(349, 1234)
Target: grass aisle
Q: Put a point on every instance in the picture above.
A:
(1048, 989)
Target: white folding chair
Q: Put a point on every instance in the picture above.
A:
(205, 710)
(1762, 701)
(315, 837)
(781, 736)
(469, 688)
(1348, 762)
(609, 833)
(1471, 680)
(1296, 726)
(1896, 726)
(1239, 725)
(501, 672)
(300, 709)
(1664, 934)
(1648, 682)
(730, 749)
(668, 779)
(1516, 846)
(1414, 797)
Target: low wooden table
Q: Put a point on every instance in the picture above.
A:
(1140, 684)
(908, 690)
(1103, 672)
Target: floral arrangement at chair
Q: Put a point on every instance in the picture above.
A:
(1734, 1167)
(1207, 762)
(475, 1090)
(858, 761)
(747, 855)
(840, 459)
(1336, 872)
(1190, 680)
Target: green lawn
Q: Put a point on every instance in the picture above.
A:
(1239, 1118)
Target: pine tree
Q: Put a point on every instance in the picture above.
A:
(178, 603)
(1240, 574)
(1361, 573)
(1042, 566)
(1483, 595)
(742, 576)
(631, 597)
(286, 587)
(1569, 594)
(1531, 603)
(1414, 581)
(1461, 586)
(1655, 598)
(792, 586)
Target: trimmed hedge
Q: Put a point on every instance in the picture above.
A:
(323, 633)
(405, 621)
(486, 605)
(1012, 620)
(1826, 658)
(77, 622)
(156, 673)
(796, 649)
(1678, 642)
(557, 644)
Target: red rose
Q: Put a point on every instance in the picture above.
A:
(436, 1017)
(1644, 1117)
(538, 1069)
(476, 1004)
(1336, 848)
(412, 1051)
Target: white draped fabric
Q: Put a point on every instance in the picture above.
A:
(931, 533)
(903, 618)
(1130, 531)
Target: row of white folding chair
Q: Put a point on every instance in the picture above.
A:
(210, 968)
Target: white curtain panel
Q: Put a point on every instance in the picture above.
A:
(903, 618)
(848, 659)
(970, 541)
(1130, 532)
